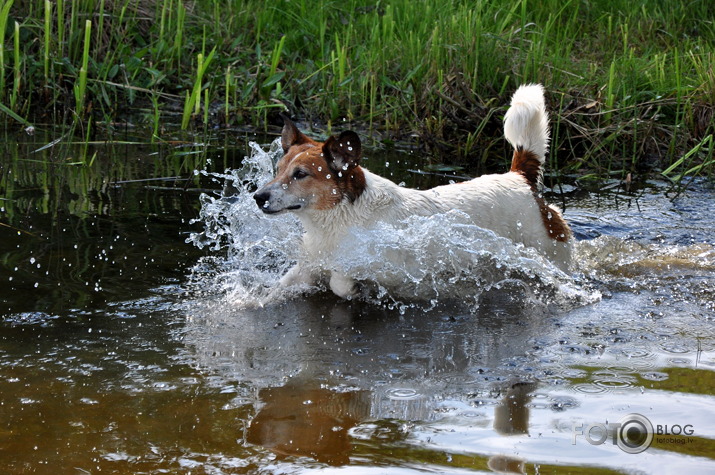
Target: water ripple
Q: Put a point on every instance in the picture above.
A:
(675, 348)
(590, 388)
(614, 380)
(655, 376)
(402, 394)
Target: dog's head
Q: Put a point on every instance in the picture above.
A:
(313, 175)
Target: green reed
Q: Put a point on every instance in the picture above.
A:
(17, 68)
(192, 103)
(685, 162)
(80, 87)
(4, 13)
(48, 38)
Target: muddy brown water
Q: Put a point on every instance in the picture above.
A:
(127, 348)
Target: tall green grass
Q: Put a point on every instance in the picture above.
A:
(5, 6)
(80, 87)
(631, 83)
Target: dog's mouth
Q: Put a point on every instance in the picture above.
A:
(271, 211)
(267, 210)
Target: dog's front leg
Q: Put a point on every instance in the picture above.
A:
(298, 275)
(342, 285)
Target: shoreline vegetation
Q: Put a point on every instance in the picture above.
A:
(630, 83)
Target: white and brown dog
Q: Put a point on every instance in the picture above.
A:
(324, 184)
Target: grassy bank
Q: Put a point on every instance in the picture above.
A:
(631, 83)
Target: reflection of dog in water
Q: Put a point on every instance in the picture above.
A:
(324, 184)
(511, 417)
(312, 422)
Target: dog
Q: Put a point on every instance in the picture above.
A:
(325, 186)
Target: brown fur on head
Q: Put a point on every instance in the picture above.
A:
(313, 175)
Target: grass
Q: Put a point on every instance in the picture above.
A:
(631, 84)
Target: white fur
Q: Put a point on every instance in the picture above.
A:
(526, 123)
(503, 203)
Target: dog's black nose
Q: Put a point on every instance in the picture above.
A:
(262, 198)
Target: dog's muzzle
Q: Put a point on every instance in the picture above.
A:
(263, 198)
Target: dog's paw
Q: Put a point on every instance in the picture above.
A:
(297, 275)
(342, 285)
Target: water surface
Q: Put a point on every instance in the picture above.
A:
(137, 336)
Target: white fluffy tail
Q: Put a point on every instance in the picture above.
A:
(526, 123)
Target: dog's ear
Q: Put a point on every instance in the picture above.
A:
(344, 152)
(291, 135)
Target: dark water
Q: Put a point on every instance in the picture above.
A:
(126, 349)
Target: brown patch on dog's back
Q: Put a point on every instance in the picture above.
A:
(556, 226)
(527, 164)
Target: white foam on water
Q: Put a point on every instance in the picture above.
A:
(421, 261)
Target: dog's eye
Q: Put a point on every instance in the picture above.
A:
(298, 174)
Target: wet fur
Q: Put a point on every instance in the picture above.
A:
(324, 184)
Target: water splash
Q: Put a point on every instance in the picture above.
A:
(423, 259)
(250, 252)
(617, 257)
(447, 257)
